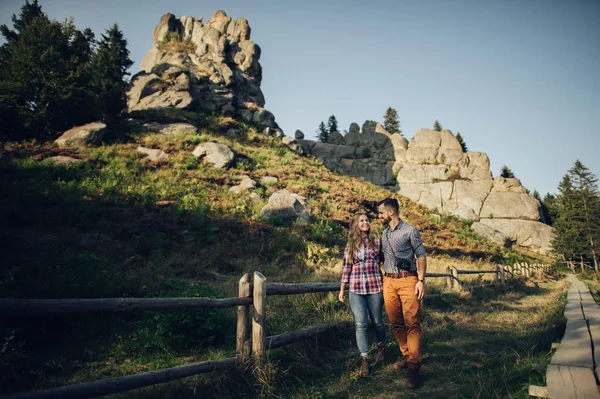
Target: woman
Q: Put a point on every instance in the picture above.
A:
(362, 274)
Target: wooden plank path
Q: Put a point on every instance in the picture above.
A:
(571, 373)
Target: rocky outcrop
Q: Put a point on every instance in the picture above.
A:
(87, 135)
(434, 171)
(370, 154)
(438, 174)
(212, 66)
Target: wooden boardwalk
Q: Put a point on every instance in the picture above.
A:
(571, 373)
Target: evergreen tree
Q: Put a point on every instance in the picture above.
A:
(390, 121)
(506, 172)
(576, 231)
(110, 67)
(543, 208)
(550, 202)
(460, 139)
(332, 125)
(44, 76)
(323, 133)
(437, 126)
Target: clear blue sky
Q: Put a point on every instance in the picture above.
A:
(519, 79)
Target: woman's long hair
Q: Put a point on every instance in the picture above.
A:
(354, 237)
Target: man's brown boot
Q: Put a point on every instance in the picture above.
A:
(401, 364)
(364, 366)
(380, 355)
(413, 378)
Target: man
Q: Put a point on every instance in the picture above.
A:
(403, 285)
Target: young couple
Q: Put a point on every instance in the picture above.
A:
(401, 287)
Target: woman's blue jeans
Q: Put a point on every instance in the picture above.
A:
(373, 305)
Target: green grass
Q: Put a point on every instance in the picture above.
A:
(117, 225)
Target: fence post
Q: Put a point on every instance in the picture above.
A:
(258, 318)
(497, 276)
(502, 276)
(457, 286)
(449, 278)
(527, 270)
(242, 342)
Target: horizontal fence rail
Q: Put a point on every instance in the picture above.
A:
(25, 307)
(126, 383)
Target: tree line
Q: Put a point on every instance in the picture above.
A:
(54, 76)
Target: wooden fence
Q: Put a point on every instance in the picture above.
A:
(252, 342)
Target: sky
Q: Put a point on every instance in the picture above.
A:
(519, 79)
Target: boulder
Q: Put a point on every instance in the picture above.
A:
(217, 154)
(153, 154)
(82, 136)
(510, 205)
(299, 135)
(335, 138)
(491, 234)
(287, 206)
(245, 184)
(268, 180)
(292, 145)
(63, 160)
(535, 236)
(170, 128)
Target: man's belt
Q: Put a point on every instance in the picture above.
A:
(400, 275)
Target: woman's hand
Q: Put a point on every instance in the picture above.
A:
(341, 296)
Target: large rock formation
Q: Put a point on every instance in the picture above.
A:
(434, 171)
(439, 175)
(212, 67)
(370, 154)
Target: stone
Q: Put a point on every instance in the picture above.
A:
(245, 184)
(170, 128)
(335, 138)
(268, 180)
(491, 234)
(502, 184)
(529, 234)
(288, 206)
(354, 128)
(219, 73)
(153, 154)
(217, 154)
(63, 160)
(510, 205)
(292, 145)
(264, 117)
(87, 135)
(299, 135)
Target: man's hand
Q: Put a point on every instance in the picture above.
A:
(341, 296)
(420, 290)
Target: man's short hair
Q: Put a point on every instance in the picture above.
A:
(391, 203)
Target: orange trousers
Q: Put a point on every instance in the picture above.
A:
(404, 311)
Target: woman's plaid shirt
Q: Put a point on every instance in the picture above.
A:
(363, 275)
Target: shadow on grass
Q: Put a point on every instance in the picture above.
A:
(62, 239)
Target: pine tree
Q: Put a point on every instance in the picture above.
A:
(44, 76)
(110, 66)
(576, 230)
(461, 142)
(550, 202)
(390, 121)
(323, 133)
(585, 185)
(332, 125)
(506, 172)
(437, 126)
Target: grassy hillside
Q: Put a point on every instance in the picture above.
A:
(117, 225)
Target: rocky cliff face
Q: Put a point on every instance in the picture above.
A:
(369, 154)
(212, 66)
(433, 170)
